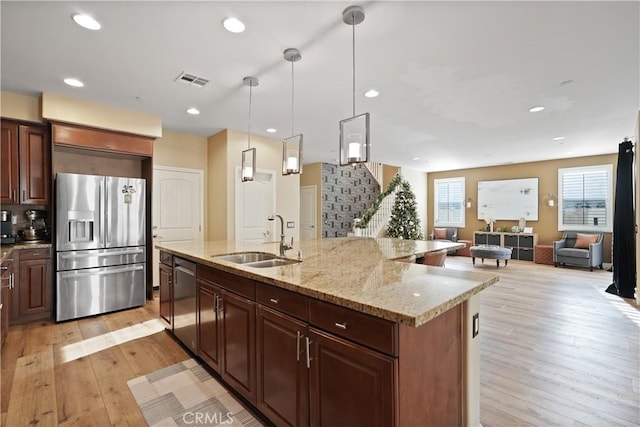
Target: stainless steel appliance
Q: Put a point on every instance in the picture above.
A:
(100, 244)
(6, 229)
(184, 302)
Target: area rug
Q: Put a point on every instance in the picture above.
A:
(185, 394)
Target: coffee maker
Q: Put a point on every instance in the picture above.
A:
(37, 230)
(6, 229)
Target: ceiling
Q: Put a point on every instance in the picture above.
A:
(456, 79)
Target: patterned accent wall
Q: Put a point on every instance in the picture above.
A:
(347, 192)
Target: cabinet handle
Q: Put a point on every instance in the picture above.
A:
(12, 282)
(308, 345)
(24, 195)
(341, 325)
(298, 338)
(274, 300)
(15, 194)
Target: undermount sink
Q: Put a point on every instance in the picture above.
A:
(256, 259)
(276, 262)
(246, 257)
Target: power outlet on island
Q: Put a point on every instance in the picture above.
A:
(291, 224)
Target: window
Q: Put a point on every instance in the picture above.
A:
(449, 202)
(585, 198)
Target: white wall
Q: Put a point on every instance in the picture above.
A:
(418, 181)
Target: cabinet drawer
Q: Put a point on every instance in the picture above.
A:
(526, 242)
(166, 258)
(525, 254)
(27, 254)
(362, 328)
(511, 240)
(282, 300)
(239, 285)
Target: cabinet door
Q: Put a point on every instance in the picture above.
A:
(166, 297)
(350, 385)
(239, 344)
(9, 164)
(32, 295)
(283, 377)
(35, 171)
(4, 311)
(209, 307)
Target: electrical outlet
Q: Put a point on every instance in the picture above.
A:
(290, 224)
(476, 325)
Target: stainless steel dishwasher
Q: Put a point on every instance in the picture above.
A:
(184, 303)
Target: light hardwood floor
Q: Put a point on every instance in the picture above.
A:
(556, 350)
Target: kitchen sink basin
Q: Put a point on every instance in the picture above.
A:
(256, 259)
(276, 262)
(246, 257)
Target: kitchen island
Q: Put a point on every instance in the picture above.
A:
(347, 336)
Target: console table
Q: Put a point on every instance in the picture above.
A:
(521, 244)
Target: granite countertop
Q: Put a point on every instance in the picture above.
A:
(5, 250)
(354, 272)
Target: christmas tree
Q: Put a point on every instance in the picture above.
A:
(404, 222)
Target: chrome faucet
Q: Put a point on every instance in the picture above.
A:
(283, 244)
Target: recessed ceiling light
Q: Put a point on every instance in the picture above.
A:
(73, 82)
(558, 138)
(415, 158)
(86, 21)
(371, 93)
(271, 130)
(536, 109)
(193, 110)
(233, 25)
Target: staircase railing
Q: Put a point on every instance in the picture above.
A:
(376, 218)
(376, 169)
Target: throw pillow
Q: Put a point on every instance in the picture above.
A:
(583, 240)
(440, 233)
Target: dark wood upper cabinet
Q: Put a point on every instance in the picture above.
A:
(9, 177)
(35, 165)
(26, 165)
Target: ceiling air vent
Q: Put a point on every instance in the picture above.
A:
(191, 79)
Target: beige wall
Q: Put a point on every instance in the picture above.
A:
(388, 172)
(547, 225)
(217, 185)
(70, 110)
(312, 175)
(20, 107)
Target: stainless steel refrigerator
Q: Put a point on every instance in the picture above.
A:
(100, 244)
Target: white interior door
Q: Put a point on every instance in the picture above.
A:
(255, 202)
(177, 207)
(308, 212)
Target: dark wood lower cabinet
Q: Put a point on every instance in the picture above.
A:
(283, 376)
(238, 325)
(350, 385)
(209, 324)
(303, 362)
(31, 296)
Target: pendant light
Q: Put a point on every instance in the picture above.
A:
(354, 131)
(249, 155)
(292, 146)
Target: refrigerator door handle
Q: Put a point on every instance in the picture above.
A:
(102, 272)
(75, 255)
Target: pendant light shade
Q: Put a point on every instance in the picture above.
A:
(292, 146)
(354, 131)
(249, 155)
